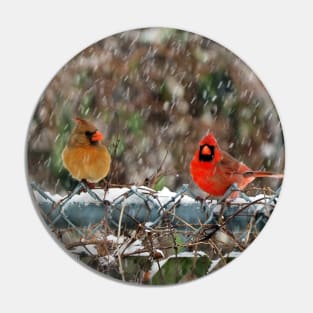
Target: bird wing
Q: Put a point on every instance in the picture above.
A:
(232, 166)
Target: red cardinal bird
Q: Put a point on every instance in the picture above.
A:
(84, 156)
(214, 170)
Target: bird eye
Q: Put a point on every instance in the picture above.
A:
(88, 134)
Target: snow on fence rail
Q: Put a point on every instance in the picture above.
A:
(131, 206)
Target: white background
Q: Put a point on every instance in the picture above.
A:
(274, 38)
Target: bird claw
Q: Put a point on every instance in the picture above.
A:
(87, 185)
(107, 202)
(200, 199)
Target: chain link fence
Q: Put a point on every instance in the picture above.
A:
(143, 236)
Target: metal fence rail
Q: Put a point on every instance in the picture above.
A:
(141, 205)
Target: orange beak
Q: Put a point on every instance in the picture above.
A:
(206, 150)
(97, 136)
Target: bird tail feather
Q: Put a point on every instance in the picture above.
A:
(263, 174)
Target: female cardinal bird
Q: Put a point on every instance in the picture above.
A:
(214, 170)
(84, 156)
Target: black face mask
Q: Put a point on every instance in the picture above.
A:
(206, 157)
(89, 135)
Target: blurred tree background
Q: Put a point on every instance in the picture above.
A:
(158, 91)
